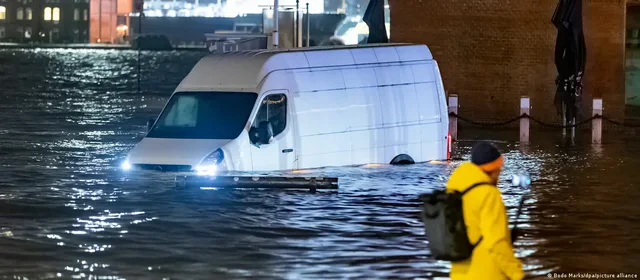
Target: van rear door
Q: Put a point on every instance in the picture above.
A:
(279, 153)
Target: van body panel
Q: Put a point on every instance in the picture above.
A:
(280, 154)
(368, 146)
(336, 146)
(321, 112)
(432, 143)
(423, 72)
(399, 105)
(237, 154)
(444, 112)
(404, 139)
(167, 151)
(327, 59)
(346, 105)
(364, 56)
(360, 77)
(414, 53)
(322, 119)
(388, 75)
(428, 102)
(274, 156)
(386, 55)
(318, 80)
(364, 110)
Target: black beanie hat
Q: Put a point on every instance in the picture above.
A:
(484, 152)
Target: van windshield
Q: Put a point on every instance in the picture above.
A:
(204, 115)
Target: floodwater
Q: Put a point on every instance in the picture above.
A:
(66, 210)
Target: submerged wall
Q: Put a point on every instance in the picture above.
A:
(491, 52)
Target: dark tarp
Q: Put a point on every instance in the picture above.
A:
(570, 56)
(374, 18)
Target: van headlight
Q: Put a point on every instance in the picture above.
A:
(209, 165)
(126, 165)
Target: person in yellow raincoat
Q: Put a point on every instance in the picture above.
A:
(485, 216)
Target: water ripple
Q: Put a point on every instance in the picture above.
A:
(66, 211)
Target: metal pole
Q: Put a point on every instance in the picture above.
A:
(100, 21)
(293, 28)
(300, 29)
(114, 11)
(139, 44)
(296, 24)
(308, 26)
(275, 24)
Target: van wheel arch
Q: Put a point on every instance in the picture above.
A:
(402, 159)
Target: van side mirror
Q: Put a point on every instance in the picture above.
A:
(263, 133)
(150, 124)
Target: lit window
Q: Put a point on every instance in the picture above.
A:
(86, 14)
(76, 14)
(3, 14)
(47, 13)
(56, 14)
(29, 14)
(27, 33)
(20, 14)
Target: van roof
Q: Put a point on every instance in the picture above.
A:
(244, 70)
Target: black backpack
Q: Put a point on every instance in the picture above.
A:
(444, 225)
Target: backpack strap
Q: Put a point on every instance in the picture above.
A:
(474, 245)
(474, 186)
(466, 191)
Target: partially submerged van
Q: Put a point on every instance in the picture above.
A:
(273, 110)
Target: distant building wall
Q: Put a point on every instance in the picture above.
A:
(44, 21)
(633, 56)
(491, 52)
(103, 21)
(125, 7)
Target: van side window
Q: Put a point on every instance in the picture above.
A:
(273, 108)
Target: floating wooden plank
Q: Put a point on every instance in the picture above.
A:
(257, 182)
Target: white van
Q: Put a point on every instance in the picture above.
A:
(273, 110)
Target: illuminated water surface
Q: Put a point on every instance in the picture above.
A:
(69, 117)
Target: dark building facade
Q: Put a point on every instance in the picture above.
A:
(492, 52)
(44, 21)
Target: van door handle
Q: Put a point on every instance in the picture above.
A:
(286, 151)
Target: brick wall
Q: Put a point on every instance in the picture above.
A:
(492, 51)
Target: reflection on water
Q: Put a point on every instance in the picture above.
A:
(69, 117)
